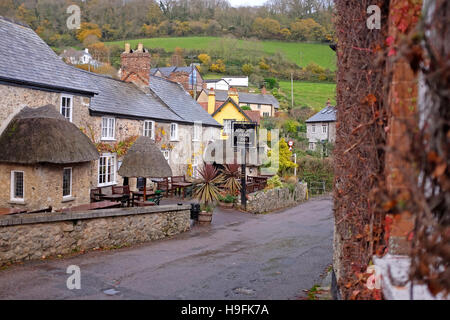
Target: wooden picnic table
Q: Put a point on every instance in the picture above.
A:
(140, 194)
(6, 211)
(182, 186)
(93, 206)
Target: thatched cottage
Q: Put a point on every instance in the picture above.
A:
(112, 113)
(45, 160)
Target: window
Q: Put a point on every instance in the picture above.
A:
(313, 128)
(194, 167)
(266, 114)
(227, 127)
(108, 128)
(166, 154)
(259, 106)
(106, 170)
(149, 129)
(174, 131)
(66, 107)
(67, 182)
(17, 186)
(324, 128)
(197, 132)
(311, 146)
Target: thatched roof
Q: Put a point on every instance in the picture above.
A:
(43, 135)
(144, 159)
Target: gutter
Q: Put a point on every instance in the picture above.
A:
(45, 87)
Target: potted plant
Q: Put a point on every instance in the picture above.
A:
(227, 201)
(207, 192)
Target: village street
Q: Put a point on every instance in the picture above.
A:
(241, 256)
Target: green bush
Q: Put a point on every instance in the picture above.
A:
(315, 170)
(274, 182)
(228, 198)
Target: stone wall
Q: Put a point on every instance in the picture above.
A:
(30, 237)
(275, 199)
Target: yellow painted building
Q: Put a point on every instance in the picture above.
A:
(226, 113)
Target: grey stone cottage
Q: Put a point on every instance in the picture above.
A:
(112, 113)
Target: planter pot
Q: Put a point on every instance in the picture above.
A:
(205, 218)
(226, 205)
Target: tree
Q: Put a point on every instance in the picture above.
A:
(266, 27)
(99, 52)
(307, 30)
(219, 66)
(204, 59)
(247, 69)
(88, 29)
(285, 161)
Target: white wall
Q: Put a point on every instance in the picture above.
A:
(318, 134)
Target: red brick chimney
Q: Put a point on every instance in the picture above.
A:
(135, 65)
(264, 90)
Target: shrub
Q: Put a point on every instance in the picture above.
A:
(274, 182)
(315, 170)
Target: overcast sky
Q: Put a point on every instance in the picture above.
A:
(237, 3)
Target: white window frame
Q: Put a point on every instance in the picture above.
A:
(324, 128)
(166, 154)
(311, 146)
(197, 134)
(313, 128)
(13, 186)
(266, 114)
(66, 96)
(227, 129)
(174, 133)
(70, 183)
(109, 128)
(109, 157)
(152, 129)
(195, 167)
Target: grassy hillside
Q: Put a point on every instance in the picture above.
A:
(311, 94)
(300, 53)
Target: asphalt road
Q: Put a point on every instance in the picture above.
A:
(241, 256)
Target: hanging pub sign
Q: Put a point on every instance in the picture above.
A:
(244, 134)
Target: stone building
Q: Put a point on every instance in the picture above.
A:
(112, 113)
(45, 162)
(321, 127)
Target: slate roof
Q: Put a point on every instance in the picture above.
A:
(244, 97)
(180, 102)
(26, 59)
(327, 114)
(123, 98)
(167, 71)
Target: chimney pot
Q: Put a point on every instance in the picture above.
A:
(127, 48)
(140, 47)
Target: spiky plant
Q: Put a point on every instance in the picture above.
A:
(231, 178)
(207, 191)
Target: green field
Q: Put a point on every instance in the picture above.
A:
(300, 53)
(311, 94)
